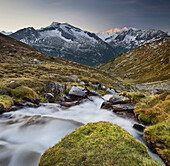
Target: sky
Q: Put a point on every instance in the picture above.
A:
(90, 15)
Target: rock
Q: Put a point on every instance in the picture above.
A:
(139, 127)
(55, 88)
(116, 99)
(95, 87)
(77, 93)
(123, 107)
(103, 87)
(106, 105)
(14, 108)
(112, 91)
(69, 104)
(64, 98)
(37, 101)
(27, 99)
(3, 92)
(24, 104)
(50, 97)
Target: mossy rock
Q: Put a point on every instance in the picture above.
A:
(154, 109)
(158, 138)
(24, 91)
(5, 103)
(134, 96)
(101, 143)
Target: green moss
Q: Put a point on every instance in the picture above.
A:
(154, 109)
(144, 118)
(5, 102)
(134, 96)
(158, 138)
(99, 143)
(24, 91)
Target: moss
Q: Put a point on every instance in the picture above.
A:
(154, 109)
(134, 96)
(5, 102)
(158, 138)
(99, 143)
(24, 91)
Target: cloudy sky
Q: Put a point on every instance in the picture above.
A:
(91, 15)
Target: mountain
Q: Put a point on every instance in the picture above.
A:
(125, 39)
(147, 65)
(6, 33)
(68, 42)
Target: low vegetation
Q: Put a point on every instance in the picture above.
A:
(99, 143)
(158, 138)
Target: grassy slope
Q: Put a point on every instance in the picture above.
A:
(147, 63)
(26, 66)
(99, 143)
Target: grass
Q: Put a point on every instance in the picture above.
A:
(5, 102)
(99, 143)
(154, 109)
(158, 138)
(147, 63)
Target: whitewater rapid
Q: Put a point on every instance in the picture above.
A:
(25, 134)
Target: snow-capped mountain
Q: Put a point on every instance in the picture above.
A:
(125, 39)
(66, 41)
(6, 33)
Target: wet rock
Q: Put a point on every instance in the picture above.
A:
(117, 99)
(14, 108)
(37, 101)
(139, 127)
(27, 99)
(69, 104)
(123, 107)
(24, 104)
(106, 105)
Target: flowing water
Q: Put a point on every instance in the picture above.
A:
(25, 134)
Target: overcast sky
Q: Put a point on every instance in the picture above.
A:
(91, 15)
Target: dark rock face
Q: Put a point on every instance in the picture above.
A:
(116, 99)
(139, 127)
(68, 42)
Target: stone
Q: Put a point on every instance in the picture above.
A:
(106, 105)
(112, 91)
(123, 107)
(50, 97)
(69, 104)
(139, 127)
(27, 99)
(117, 99)
(76, 93)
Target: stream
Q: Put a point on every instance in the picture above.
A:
(25, 134)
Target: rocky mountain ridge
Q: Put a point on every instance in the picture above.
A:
(66, 41)
(125, 39)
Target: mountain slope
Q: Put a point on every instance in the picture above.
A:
(68, 42)
(20, 64)
(123, 40)
(146, 64)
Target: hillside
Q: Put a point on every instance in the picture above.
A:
(145, 65)
(66, 41)
(22, 65)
